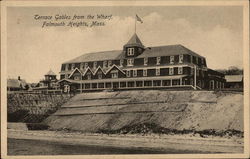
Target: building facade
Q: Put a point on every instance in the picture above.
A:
(49, 83)
(139, 67)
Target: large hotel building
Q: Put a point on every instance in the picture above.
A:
(139, 67)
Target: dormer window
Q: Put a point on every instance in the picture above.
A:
(130, 62)
(145, 61)
(131, 51)
(94, 65)
(171, 59)
(109, 63)
(158, 60)
(72, 66)
(81, 66)
(180, 58)
(66, 67)
(85, 65)
(121, 62)
(104, 64)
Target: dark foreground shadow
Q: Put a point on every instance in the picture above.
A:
(37, 147)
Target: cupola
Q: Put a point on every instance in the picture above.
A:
(134, 47)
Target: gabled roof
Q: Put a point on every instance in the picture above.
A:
(166, 50)
(98, 56)
(99, 68)
(15, 83)
(234, 78)
(50, 73)
(88, 69)
(134, 41)
(114, 66)
(76, 69)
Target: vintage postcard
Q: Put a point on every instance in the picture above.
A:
(125, 79)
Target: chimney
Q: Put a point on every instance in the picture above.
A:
(19, 78)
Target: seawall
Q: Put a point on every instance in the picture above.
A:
(178, 110)
(33, 107)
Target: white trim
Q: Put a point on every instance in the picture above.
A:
(112, 68)
(157, 66)
(88, 68)
(98, 69)
(74, 72)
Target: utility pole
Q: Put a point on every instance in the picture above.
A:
(194, 76)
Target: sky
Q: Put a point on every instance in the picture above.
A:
(214, 32)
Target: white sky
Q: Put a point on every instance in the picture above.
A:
(213, 32)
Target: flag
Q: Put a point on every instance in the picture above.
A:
(138, 18)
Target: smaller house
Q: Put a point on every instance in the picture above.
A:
(234, 81)
(16, 84)
(48, 83)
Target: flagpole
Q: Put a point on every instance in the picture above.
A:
(135, 24)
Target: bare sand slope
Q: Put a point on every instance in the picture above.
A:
(191, 110)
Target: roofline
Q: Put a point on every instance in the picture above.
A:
(76, 69)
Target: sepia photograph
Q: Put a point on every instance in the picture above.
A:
(129, 78)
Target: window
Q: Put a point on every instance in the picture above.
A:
(66, 67)
(85, 65)
(130, 62)
(109, 63)
(76, 77)
(114, 75)
(171, 59)
(89, 76)
(158, 60)
(157, 72)
(72, 66)
(171, 71)
(121, 62)
(145, 61)
(134, 73)
(180, 70)
(81, 66)
(180, 58)
(99, 76)
(104, 64)
(95, 64)
(128, 73)
(145, 72)
(130, 51)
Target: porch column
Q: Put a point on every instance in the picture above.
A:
(134, 84)
(171, 82)
(111, 84)
(126, 84)
(90, 85)
(143, 83)
(161, 83)
(180, 81)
